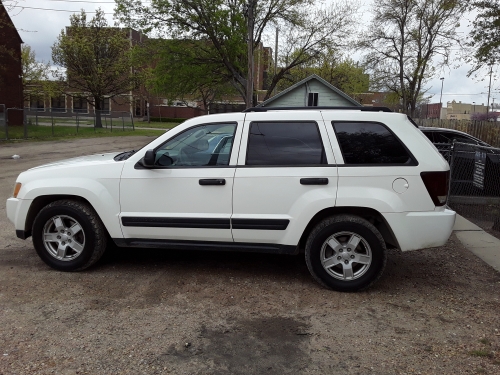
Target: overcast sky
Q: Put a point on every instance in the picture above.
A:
(40, 27)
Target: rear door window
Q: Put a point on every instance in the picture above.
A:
(285, 143)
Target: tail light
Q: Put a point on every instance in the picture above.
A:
(437, 184)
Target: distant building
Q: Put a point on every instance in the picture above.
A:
(11, 71)
(312, 91)
(463, 111)
(431, 110)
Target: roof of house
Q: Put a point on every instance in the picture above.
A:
(3, 10)
(310, 78)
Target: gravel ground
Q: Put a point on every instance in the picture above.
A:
(142, 311)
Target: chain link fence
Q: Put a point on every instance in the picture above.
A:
(475, 184)
(52, 122)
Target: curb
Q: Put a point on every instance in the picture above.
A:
(476, 240)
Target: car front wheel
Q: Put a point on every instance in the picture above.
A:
(68, 235)
(345, 253)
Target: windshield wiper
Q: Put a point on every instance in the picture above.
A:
(124, 155)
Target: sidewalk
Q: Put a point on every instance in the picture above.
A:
(482, 244)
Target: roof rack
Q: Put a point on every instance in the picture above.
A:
(362, 109)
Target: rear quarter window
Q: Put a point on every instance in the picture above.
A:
(370, 143)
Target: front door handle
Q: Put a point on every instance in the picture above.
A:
(212, 181)
(314, 181)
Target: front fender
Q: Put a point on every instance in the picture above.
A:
(102, 194)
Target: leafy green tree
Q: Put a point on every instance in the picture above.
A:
(406, 41)
(221, 29)
(36, 76)
(97, 58)
(180, 72)
(485, 34)
(343, 73)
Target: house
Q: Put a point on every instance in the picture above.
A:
(11, 71)
(312, 91)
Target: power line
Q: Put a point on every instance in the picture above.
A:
(84, 1)
(54, 10)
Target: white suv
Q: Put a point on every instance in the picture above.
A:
(343, 184)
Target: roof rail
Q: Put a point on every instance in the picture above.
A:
(362, 109)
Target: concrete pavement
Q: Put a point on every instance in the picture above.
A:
(482, 244)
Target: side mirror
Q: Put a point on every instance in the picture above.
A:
(149, 158)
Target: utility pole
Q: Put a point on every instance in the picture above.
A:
(441, 99)
(250, 27)
(276, 56)
(489, 93)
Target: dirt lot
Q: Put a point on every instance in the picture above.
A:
(434, 311)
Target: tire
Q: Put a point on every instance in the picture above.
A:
(338, 266)
(68, 235)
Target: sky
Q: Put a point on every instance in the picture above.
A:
(39, 28)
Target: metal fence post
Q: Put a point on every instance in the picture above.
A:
(77, 122)
(132, 118)
(25, 123)
(123, 122)
(7, 124)
(52, 120)
(111, 121)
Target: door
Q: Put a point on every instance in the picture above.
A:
(286, 174)
(187, 195)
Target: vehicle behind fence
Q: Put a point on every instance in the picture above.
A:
(56, 122)
(487, 131)
(475, 184)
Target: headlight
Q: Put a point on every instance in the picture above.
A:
(17, 188)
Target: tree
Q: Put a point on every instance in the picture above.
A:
(97, 59)
(485, 34)
(179, 73)
(343, 73)
(407, 41)
(36, 75)
(222, 28)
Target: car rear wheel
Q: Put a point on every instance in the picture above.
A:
(68, 235)
(345, 253)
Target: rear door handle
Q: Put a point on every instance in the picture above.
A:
(314, 181)
(212, 181)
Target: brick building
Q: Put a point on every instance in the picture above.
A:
(11, 84)
(431, 110)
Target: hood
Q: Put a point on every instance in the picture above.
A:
(80, 161)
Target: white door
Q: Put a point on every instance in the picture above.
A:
(187, 195)
(286, 174)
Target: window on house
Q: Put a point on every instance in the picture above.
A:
(285, 143)
(105, 106)
(58, 103)
(312, 99)
(138, 111)
(80, 105)
(37, 103)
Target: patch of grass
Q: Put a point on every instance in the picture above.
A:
(117, 122)
(480, 353)
(36, 133)
(156, 125)
(485, 341)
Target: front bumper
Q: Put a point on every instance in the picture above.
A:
(17, 211)
(421, 230)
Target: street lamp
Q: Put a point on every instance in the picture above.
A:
(442, 83)
(474, 110)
